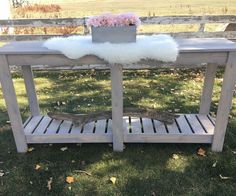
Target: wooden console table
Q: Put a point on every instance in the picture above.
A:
(188, 128)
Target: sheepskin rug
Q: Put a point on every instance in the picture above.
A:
(157, 47)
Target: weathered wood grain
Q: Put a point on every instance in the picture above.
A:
(117, 107)
(141, 130)
(225, 103)
(12, 105)
(30, 90)
(187, 19)
(208, 89)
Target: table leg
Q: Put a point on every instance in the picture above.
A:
(117, 107)
(208, 89)
(30, 89)
(225, 103)
(12, 105)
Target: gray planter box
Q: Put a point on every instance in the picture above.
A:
(114, 34)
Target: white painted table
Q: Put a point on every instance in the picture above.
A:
(188, 128)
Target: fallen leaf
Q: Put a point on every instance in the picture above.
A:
(69, 188)
(2, 174)
(225, 177)
(214, 164)
(70, 179)
(113, 180)
(30, 149)
(175, 156)
(31, 182)
(49, 185)
(73, 161)
(64, 149)
(234, 152)
(37, 167)
(201, 152)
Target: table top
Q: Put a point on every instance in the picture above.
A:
(185, 46)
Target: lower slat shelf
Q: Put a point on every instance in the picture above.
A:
(190, 128)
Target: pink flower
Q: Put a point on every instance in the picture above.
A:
(109, 20)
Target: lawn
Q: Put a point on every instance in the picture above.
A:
(142, 169)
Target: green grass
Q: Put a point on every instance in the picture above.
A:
(142, 169)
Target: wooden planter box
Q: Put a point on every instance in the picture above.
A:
(114, 34)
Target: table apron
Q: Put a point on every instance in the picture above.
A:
(194, 59)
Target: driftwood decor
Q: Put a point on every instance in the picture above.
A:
(82, 119)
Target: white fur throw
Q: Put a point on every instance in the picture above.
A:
(157, 47)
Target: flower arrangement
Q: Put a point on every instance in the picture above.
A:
(114, 20)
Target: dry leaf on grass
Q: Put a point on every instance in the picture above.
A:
(30, 149)
(70, 179)
(2, 174)
(201, 152)
(69, 188)
(234, 152)
(225, 177)
(214, 164)
(37, 167)
(175, 156)
(113, 180)
(82, 171)
(64, 149)
(49, 185)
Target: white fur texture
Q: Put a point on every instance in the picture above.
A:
(157, 47)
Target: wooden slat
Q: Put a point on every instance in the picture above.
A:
(101, 126)
(42, 22)
(76, 129)
(41, 128)
(109, 126)
(187, 19)
(147, 126)
(160, 127)
(183, 125)
(209, 127)
(53, 127)
(136, 127)
(65, 127)
(213, 120)
(27, 121)
(173, 128)
(30, 127)
(126, 124)
(89, 127)
(196, 126)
